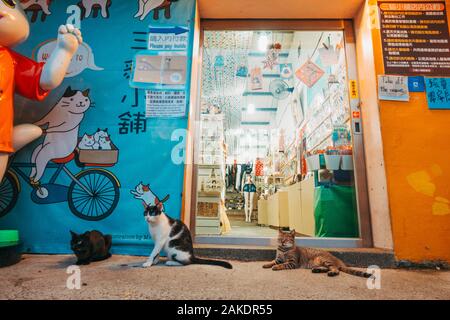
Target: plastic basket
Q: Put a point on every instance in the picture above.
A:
(347, 162)
(332, 162)
(313, 162)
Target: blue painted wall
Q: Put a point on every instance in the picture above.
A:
(144, 154)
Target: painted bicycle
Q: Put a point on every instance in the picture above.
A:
(92, 194)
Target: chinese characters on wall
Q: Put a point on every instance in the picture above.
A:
(438, 93)
(415, 38)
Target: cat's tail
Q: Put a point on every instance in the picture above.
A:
(220, 263)
(355, 272)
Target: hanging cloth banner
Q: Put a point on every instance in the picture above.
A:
(328, 56)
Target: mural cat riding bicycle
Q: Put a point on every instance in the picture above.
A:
(61, 125)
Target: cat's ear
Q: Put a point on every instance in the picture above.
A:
(68, 93)
(106, 130)
(74, 235)
(165, 198)
(293, 232)
(160, 206)
(86, 92)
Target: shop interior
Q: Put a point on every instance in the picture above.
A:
(275, 142)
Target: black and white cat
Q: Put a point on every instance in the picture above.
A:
(172, 236)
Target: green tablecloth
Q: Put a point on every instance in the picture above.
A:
(335, 212)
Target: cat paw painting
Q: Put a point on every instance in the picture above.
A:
(36, 7)
(278, 168)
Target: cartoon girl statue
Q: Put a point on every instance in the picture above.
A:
(26, 77)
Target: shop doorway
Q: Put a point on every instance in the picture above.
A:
(278, 137)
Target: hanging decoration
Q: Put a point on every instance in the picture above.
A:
(272, 56)
(286, 72)
(259, 167)
(332, 79)
(256, 79)
(309, 73)
(299, 49)
(242, 71)
(219, 61)
(328, 54)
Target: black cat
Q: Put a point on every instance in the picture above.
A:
(90, 246)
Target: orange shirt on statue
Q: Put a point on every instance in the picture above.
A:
(21, 75)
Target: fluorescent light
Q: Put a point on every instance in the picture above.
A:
(251, 108)
(263, 42)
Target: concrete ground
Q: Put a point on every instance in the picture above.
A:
(121, 277)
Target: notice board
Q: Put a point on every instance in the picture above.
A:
(415, 38)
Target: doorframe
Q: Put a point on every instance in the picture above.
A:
(191, 167)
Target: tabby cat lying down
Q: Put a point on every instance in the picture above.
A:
(289, 256)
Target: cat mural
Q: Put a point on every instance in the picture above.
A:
(61, 126)
(61, 145)
(36, 7)
(147, 6)
(93, 7)
(100, 140)
(87, 142)
(145, 194)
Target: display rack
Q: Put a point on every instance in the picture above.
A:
(211, 174)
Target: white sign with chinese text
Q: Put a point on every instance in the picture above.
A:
(168, 39)
(165, 103)
(393, 88)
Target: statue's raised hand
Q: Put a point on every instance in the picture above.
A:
(69, 38)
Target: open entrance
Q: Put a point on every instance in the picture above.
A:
(278, 141)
